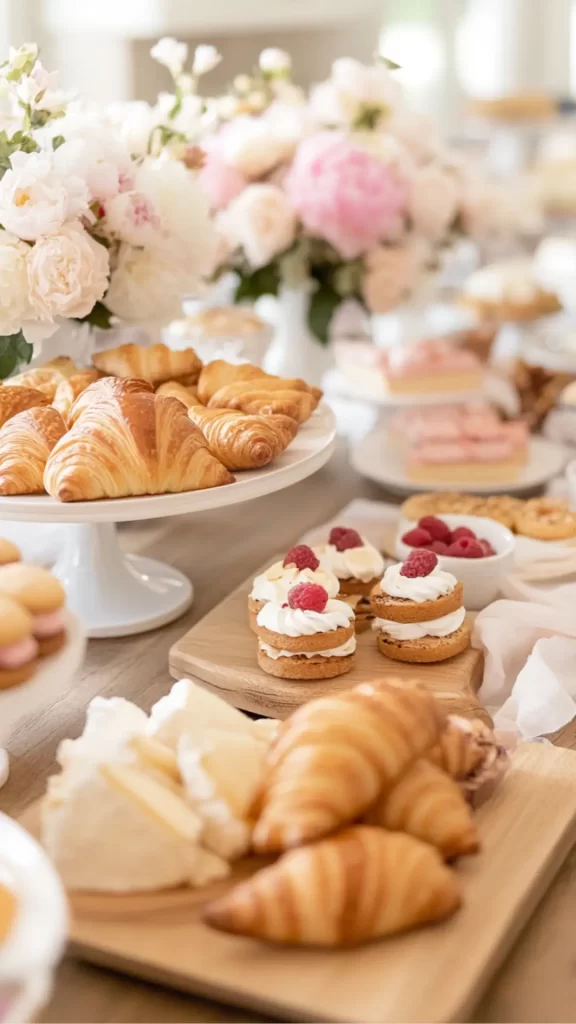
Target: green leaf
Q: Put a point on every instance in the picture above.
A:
(388, 63)
(14, 352)
(323, 304)
(58, 141)
(264, 281)
(99, 316)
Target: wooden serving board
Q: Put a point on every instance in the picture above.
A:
(433, 974)
(220, 652)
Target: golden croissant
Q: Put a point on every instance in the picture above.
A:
(172, 389)
(44, 378)
(131, 445)
(16, 399)
(67, 392)
(427, 803)
(64, 364)
(26, 441)
(299, 405)
(219, 373)
(105, 388)
(154, 363)
(461, 746)
(335, 755)
(361, 884)
(243, 442)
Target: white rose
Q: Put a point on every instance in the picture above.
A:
(98, 157)
(254, 145)
(261, 221)
(354, 91)
(146, 286)
(187, 235)
(35, 199)
(274, 62)
(14, 303)
(67, 273)
(433, 202)
(206, 58)
(132, 217)
(417, 132)
(171, 54)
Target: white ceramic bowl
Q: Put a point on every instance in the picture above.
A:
(481, 576)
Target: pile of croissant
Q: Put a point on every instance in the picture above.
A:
(143, 421)
(361, 799)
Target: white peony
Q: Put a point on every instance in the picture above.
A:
(36, 199)
(146, 285)
(206, 58)
(132, 217)
(95, 152)
(67, 273)
(255, 145)
(274, 62)
(171, 54)
(354, 92)
(261, 221)
(134, 122)
(14, 302)
(187, 235)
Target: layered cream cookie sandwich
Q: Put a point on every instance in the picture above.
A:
(42, 595)
(419, 615)
(311, 636)
(300, 565)
(358, 565)
(18, 648)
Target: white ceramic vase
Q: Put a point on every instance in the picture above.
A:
(295, 351)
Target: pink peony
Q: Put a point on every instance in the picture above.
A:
(220, 182)
(390, 274)
(344, 194)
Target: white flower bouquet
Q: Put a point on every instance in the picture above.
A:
(89, 230)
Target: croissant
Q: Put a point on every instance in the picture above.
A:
(133, 444)
(67, 392)
(243, 442)
(361, 884)
(299, 405)
(66, 366)
(219, 373)
(16, 399)
(105, 388)
(427, 803)
(44, 379)
(335, 755)
(26, 441)
(172, 389)
(461, 746)
(155, 363)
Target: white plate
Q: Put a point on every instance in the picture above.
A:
(36, 941)
(310, 449)
(379, 458)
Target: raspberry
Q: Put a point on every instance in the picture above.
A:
(310, 597)
(437, 528)
(419, 563)
(439, 547)
(486, 548)
(302, 557)
(466, 547)
(342, 538)
(417, 538)
(462, 531)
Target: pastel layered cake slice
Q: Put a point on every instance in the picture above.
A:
(357, 565)
(419, 615)
(300, 565)
(431, 366)
(498, 456)
(310, 636)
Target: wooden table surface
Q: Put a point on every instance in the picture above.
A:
(218, 550)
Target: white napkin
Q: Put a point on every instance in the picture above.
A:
(530, 665)
(559, 592)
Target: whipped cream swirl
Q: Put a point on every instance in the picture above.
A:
(365, 563)
(417, 588)
(335, 652)
(274, 584)
(443, 626)
(297, 622)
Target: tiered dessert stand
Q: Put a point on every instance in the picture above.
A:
(115, 594)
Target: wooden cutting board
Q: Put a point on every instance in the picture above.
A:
(433, 974)
(220, 652)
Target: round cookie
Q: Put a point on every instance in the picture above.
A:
(402, 609)
(314, 642)
(428, 649)
(502, 508)
(439, 503)
(305, 669)
(546, 519)
(40, 593)
(355, 586)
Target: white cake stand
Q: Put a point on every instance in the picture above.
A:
(53, 676)
(115, 594)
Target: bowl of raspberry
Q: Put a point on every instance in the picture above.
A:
(478, 551)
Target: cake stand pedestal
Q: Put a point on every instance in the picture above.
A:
(115, 594)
